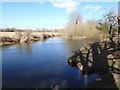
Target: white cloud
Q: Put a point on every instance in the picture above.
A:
(93, 8)
(68, 5)
(102, 11)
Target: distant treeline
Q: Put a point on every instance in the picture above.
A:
(22, 30)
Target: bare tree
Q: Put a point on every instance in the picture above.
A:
(77, 29)
(72, 27)
(108, 25)
(75, 18)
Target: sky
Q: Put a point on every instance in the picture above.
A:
(50, 15)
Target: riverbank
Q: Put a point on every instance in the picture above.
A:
(9, 38)
(99, 58)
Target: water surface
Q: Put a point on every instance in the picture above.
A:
(42, 64)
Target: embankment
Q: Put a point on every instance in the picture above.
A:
(8, 38)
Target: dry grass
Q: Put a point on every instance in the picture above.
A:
(87, 30)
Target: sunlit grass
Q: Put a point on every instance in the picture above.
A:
(87, 30)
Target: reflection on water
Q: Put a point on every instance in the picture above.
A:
(24, 46)
(42, 65)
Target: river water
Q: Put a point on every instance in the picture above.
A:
(43, 64)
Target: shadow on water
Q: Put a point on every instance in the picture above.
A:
(95, 60)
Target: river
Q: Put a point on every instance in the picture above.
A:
(43, 64)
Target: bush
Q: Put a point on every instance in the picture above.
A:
(76, 27)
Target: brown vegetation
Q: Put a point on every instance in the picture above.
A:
(7, 38)
(23, 30)
(77, 28)
(103, 29)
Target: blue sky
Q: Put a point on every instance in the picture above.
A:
(51, 15)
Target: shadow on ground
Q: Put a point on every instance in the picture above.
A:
(99, 58)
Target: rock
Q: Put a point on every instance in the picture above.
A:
(110, 56)
(80, 66)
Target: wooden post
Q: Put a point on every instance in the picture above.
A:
(118, 44)
(118, 30)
